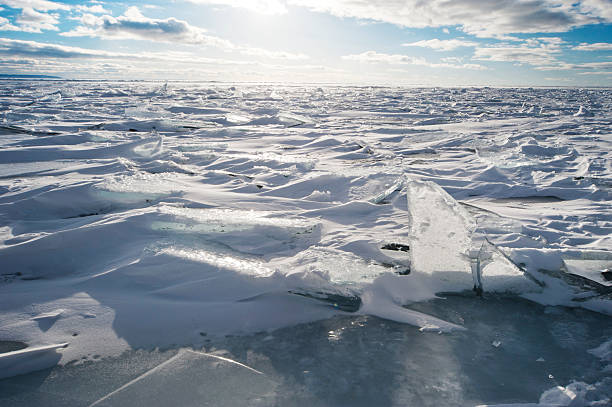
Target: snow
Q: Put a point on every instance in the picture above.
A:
(138, 216)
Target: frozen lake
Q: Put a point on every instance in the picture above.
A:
(261, 244)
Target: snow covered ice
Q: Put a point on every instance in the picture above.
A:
(262, 244)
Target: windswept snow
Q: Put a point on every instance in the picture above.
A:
(138, 216)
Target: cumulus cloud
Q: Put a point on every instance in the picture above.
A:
(34, 17)
(398, 59)
(5, 25)
(41, 5)
(33, 21)
(95, 9)
(601, 8)
(598, 46)
(441, 45)
(133, 25)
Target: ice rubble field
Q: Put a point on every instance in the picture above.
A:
(248, 245)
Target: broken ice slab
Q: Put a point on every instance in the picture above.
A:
(494, 271)
(6, 130)
(193, 378)
(343, 302)
(594, 273)
(292, 119)
(441, 234)
(384, 196)
(29, 359)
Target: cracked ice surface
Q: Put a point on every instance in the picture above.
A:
(134, 217)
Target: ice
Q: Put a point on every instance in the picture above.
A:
(347, 225)
(441, 234)
(352, 359)
(192, 379)
(29, 360)
(582, 111)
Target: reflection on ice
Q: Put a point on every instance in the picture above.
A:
(250, 267)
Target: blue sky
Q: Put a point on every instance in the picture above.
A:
(386, 42)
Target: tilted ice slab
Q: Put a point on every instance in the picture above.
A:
(447, 244)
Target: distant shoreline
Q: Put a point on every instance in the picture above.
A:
(22, 76)
(274, 83)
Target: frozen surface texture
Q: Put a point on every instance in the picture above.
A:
(136, 216)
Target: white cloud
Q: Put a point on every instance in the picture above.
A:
(41, 5)
(272, 54)
(598, 46)
(133, 25)
(398, 59)
(260, 6)
(56, 52)
(13, 48)
(34, 17)
(95, 9)
(537, 56)
(33, 21)
(594, 66)
(452, 60)
(491, 18)
(441, 45)
(599, 73)
(74, 62)
(541, 51)
(601, 8)
(375, 57)
(591, 67)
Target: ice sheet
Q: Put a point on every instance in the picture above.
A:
(238, 209)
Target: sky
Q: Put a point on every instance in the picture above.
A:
(375, 42)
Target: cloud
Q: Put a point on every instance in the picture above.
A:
(41, 5)
(33, 21)
(133, 25)
(260, 6)
(541, 51)
(518, 53)
(73, 62)
(441, 45)
(95, 9)
(34, 17)
(492, 18)
(272, 54)
(602, 8)
(5, 25)
(599, 73)
(397, 59)
(584, 66)
(598, 46)
(39, 49)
